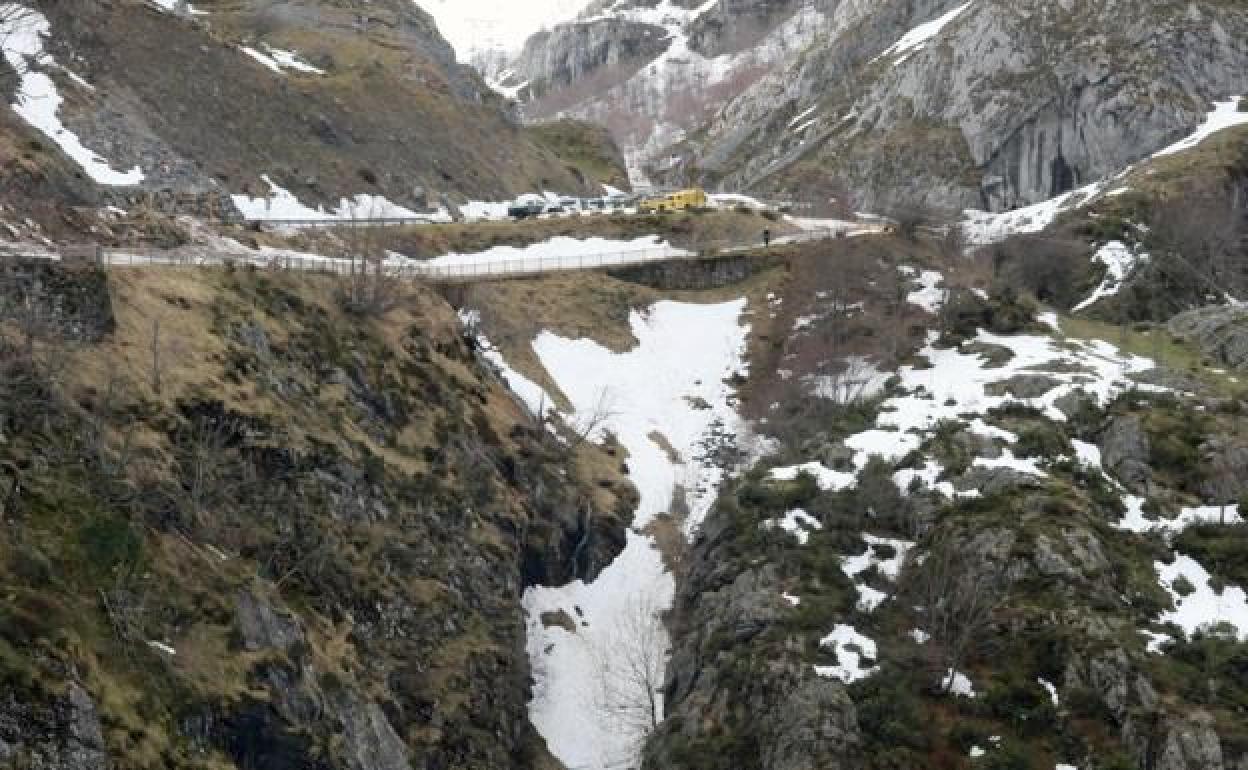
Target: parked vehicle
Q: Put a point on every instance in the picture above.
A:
(680, 200)
(526, 207)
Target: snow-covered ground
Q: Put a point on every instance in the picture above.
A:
(561, 253)
(684, 354)
(281, 203)
(957, 383)
(37, 101)
(1223, 116)
(1119, 261)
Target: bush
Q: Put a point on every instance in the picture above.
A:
(1046, 267)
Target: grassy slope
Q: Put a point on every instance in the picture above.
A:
(391, 109)
(586, 148)
(120, 544)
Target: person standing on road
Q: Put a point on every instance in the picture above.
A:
(766, 237)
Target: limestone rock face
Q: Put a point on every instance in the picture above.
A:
(1008, 103)
(1125, 451)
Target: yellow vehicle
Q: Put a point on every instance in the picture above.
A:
(677, 201)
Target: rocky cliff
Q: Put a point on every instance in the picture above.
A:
(983, 557)
(652, 73)
(981, 104)
(244, 527)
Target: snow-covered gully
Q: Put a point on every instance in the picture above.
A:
(665, 401)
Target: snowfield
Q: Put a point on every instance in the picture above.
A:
(684, 354)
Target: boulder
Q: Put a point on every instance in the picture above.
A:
(1125, 452)
(1220, 332)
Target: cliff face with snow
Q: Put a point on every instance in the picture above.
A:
(653, 73)
(985, 103)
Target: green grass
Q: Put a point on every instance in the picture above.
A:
(1157, 344)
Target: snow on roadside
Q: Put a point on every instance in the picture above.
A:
(559, 253)
(684, 354)
(1119, 261)
(37, 101)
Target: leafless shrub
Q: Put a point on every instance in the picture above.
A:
(911, 216)
(369, 288)
(630, 661)
(958, 594)
(1044, 266)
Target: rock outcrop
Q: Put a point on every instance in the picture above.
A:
(988, 104)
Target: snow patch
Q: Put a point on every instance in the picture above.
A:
(683, 356)
(855, 655)
(1199, 605)
(279, 60)
(957, 683)
(827, 479)
(1223, 116)
(797, 523)
(917, 39)
(1119, 262)
(37, 101)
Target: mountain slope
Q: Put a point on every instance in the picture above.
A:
(982, 104)
(328, 99)
(249, 527)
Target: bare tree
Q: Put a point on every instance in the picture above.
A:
(587, 425)
(958, 595)
(630, 662)
(371, 289)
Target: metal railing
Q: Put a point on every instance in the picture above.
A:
(426, 271)
(345, 223)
